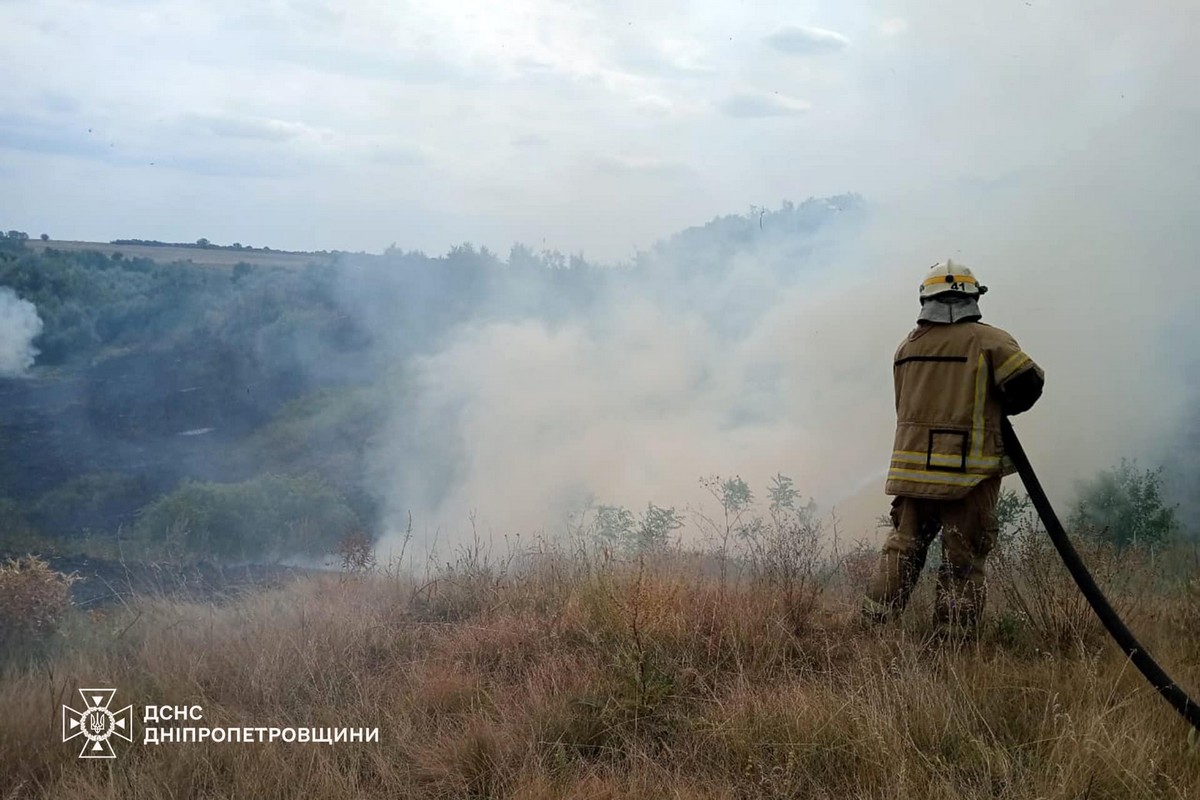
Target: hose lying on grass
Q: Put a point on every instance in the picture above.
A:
(1141, 658)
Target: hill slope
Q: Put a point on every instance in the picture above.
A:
(217, 257)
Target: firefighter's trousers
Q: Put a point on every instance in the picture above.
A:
(968, 527)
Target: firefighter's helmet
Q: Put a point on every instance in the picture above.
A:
(948, 279)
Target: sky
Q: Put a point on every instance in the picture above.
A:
(593, 127)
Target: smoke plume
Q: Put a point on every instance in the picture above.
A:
(19, 326)
(779, 360)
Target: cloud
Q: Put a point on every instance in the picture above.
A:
(58, 103)
(960, 94)
(626, 165)
(246, 127)
(800, 40)
(669, 58)
(892, 27)
(37, 135)
(213, 145)
(529, 140)
(71, 140)
(653, 104)
(752, 105)
(354, 62)
(268, 146)
(396, 153)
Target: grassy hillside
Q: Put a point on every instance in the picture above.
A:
(550, 674)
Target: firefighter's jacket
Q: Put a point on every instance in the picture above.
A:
(953, 383)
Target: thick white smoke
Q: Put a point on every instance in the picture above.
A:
(652, 391)
(1062, 173)
(19, 326)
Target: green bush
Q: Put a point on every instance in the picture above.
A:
(616, 527)
(1012, 512)
(269, 516)
(325, 431)
(96, 500)
(1124, 505)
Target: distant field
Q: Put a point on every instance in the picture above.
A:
(201, 256)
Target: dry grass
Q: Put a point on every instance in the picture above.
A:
(34, 601)
(556, 676)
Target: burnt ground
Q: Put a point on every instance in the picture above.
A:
(101, 582)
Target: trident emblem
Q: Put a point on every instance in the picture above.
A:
(96, 723)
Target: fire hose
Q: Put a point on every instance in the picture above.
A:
(1141, 658)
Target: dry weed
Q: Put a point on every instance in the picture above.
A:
(34, 601)
(550, 677)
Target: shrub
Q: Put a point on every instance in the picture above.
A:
(1038, 595)
(1124, 505)
(272, 515)
(616, 528)
(784, 550)
(1012, 510)
(356, 552)
(34, 600)
(102, 500)
(781, 549)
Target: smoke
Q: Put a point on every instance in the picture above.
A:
(1049, 147)
(756, 369)
(681, 365)
(754, 351)
(19, 326)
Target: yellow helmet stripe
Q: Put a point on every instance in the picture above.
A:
(949, 279)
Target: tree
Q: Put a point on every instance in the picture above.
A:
(1012, 510)
(202, 242)
(782, 492)
(654, 528)
(45, 237)
(616, 527)
(1125, 506)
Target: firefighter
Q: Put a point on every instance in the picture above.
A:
(955, 377)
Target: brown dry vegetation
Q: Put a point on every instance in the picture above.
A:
(34, 600)
(555, 675)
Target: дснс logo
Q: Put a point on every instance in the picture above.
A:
(96, 723)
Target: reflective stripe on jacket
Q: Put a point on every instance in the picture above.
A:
(949, 384)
